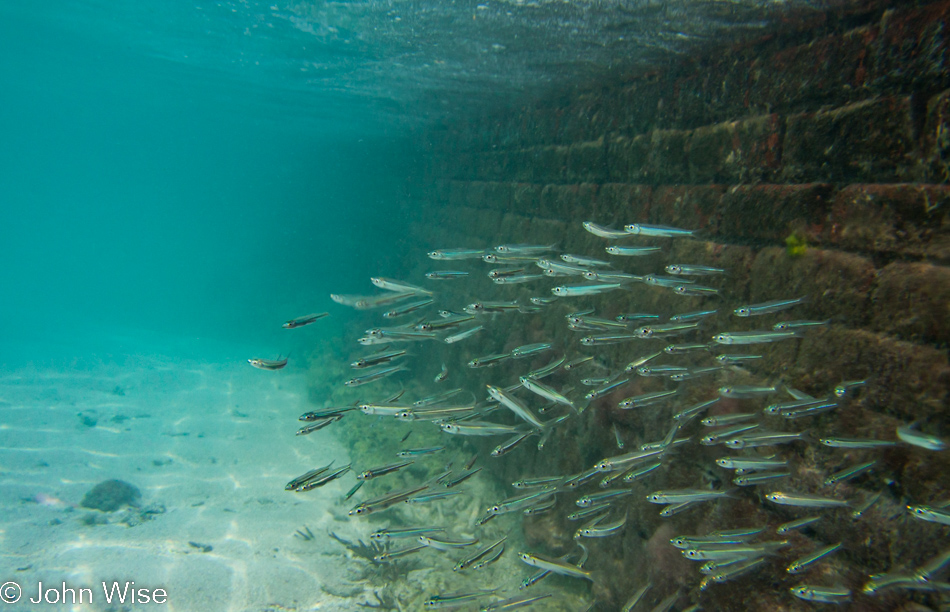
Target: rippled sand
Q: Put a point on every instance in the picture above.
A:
(210, 444)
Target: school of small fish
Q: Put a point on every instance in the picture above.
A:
(532, 403)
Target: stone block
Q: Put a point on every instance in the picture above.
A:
(912, 302)
(550, 202)
(736, 151)
(548, 163)
(457, 194)
(586, 162)
(936, 139)
(496, 196)
(667, 161)
(617, 204)
(838, 286)
(906, 381)
(628, 158)
(868, 141)
(830, 70)
(687, 206)
(903, 218)
(912, 48)
(773, 212)
(546, 231)
(464, 167)
(526, 198)
(519, 165)
(563, 202)
(584, 119)
(637, 104)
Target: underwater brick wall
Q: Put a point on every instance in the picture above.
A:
(815, 168)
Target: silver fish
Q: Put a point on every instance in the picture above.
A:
(515, 405)
(917, 438)
(456, 254)
(662, 231)
(584, 261)
(305, 320)
(688, 270)
(804, 501)
(604, 232)
(374, 376)
(800, 565)
(582, 290)
(753, 310)
(462, 335)
(446, 275)
(754, 337)
(555, 566)
(623, 251)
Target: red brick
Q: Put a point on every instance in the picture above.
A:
(772, 212)
(912, 301)
(830, 70)
(869, 141)
(904, 218)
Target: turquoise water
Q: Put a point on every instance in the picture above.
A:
(178, 179)
(165, 171)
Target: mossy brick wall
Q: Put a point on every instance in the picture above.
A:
(840, 138)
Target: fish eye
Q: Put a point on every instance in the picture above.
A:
(691, 554)
(494, 509)
(742, 311)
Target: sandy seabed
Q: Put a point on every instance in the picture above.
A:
(210, 444)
